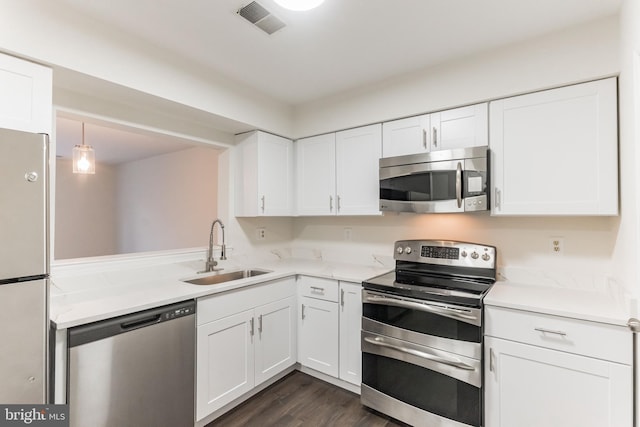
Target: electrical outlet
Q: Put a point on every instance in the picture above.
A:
(348, 233)
(261, 233)
(557, 245)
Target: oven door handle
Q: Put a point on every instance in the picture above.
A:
(431, 357)
(453, 313)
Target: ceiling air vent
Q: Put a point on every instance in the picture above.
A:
(261, 17)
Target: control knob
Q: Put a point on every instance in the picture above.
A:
(399, 250)
(485, 257)
(463, 254)
(474, 255)
(407, 250)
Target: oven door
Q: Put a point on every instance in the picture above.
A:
(452, 328)
(437, 186)
(420, 385)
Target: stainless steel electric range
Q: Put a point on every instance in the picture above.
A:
(422, 333)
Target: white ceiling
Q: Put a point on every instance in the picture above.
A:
(340, 45)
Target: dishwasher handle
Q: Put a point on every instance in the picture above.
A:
(140, 323)
(102, 329)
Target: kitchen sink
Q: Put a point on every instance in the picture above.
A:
(223, 277)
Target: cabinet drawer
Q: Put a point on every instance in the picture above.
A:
(315, 287)
(599, 340)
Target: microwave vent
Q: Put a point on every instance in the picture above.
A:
(255, 13)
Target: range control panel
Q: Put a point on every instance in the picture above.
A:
(446, 252)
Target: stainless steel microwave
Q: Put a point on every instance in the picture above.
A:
(440, 181)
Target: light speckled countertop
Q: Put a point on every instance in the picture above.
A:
(584, 298)
(86, 293)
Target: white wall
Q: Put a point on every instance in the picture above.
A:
(575, 54)
(626, 256)
(85, 217)
(167, 201)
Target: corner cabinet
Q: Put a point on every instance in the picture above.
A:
(329, 327)
(555, 152)
(26, 103)
(264, 175)
(443, 130)
(244, 338)
(337, 173)
(543, 370)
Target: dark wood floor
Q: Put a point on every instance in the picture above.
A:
(301, 400)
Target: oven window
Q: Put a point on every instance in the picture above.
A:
(422, 322)
(423, 388)
(424, 187)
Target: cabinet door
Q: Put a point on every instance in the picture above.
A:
(350, 325)
(316, 175)
(555, 152)
(318, 335)
(26, 102)
(532, 386)
(460, 127)
(276, 338)
(225, 362)
(406, 136)
(275, 175)
(358, 154)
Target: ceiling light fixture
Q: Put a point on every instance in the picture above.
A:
(299, 5)
(84, 158)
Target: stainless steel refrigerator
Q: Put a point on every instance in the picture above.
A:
(24, 267)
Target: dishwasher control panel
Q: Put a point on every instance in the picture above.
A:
(179, 312)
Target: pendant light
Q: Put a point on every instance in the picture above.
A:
(299, 5)
(84, 158)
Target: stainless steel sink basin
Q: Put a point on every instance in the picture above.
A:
(223, 277)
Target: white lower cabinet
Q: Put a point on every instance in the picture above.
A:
(329, 327)
(556, 374)
(241, 343)
(350, 326)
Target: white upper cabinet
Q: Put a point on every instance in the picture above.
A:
(555, 152)
(26, 102)
(460, 127)
(264, 179)
(358, 153)
(444, 130)
(406, 136)
(337, 173)
(316, 175)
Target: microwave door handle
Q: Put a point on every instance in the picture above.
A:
(423, 355)
(454, 313)
(459, 184)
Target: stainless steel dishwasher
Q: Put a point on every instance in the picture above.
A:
(134, 370)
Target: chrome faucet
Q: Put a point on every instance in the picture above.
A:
(211, 263)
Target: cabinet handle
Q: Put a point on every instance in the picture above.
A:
(262, 207)
(491, 360)
(317, 289)
(252, 330)
(260, 323)
(424, 138)
(550, 331)
(303, 311)
(435, 137)
(498, 202)
(342, 297)
(330, 203)
(338, 203)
